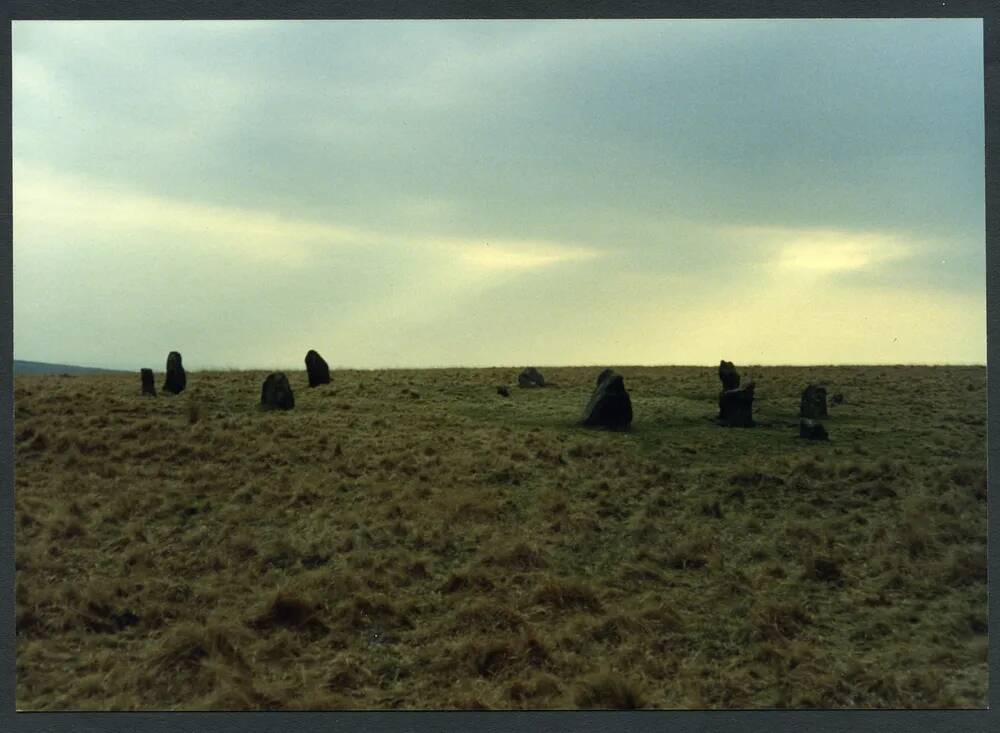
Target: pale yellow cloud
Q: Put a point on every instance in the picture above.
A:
(52, 202)
(821, 251)
(508, 255)
(60, 205)
(829, 252)
(805, 321)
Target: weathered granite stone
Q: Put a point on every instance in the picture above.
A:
(176, 379)
(813, 404)
(736, 407)
(148, 387)
(812, 430)
(729, 376)
(530, 377)
(276, 393)
(317, 369)
(610, 405)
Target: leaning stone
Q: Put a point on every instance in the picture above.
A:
(812, 430)
(176, 379)
(813, 404)
(736, 407)
(530, 377)
(610, 405)
(147, 382)
(276, 394)
(604, 375)
(729, 376)
(317, 368)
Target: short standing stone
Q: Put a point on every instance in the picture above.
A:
(813, 403)
(530, 377)
(176, 379)
(736, 407)
(610, 405)
(317, 368)
(503, 391)
(812, 430)
(147, 382)
(837, 399)
(276, 394)
(729, 376)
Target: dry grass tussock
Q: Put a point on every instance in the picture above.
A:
(411, 539)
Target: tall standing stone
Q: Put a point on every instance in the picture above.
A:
(176, 379)
(147, 382)
(317, 368)
(813, 405)
(604, 375)
(610, 405)
(736, 407)
(729, 376)
(276, 393)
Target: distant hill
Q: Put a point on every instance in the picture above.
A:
(41, 367)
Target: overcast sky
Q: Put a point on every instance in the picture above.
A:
(498, 193)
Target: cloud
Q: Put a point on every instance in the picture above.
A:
(818, 252)
(834, 251)
(46, 200)
(505, 255)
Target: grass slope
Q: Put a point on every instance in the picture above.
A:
(44, 367)
(410, 539)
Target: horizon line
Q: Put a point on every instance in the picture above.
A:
(519, 365)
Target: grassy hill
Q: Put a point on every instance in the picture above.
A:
(41, 367)
(411, 539)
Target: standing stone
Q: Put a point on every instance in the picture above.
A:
(837, 399)
(736, 407)
(729, 376)
(530, 377)
(609, 406)
(147, 382)
(604, 375)
(318, 369)
(176, 379)
(812, 430)
(813, 405)
(276, 394)
(503, 391)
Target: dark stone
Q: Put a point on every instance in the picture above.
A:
(176, 379)
(604, 375)
(276, 394)
(813, 405)
(530, 377)
(736, 407)
(318, 369)
(503, 392)
(147, 382)
(729, 376)
(837, 399)
(812, 430)
(610, 405)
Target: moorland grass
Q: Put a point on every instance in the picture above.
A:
(412, 539)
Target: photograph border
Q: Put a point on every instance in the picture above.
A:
(744, 721)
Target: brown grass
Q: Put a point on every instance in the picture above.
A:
(411, 539)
